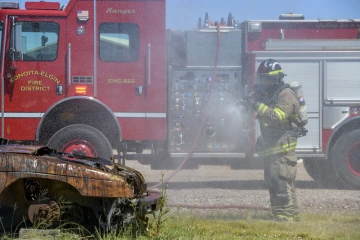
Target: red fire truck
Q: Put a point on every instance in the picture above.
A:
(101, 75)
(324, 57)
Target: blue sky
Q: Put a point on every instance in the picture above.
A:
(184, 14)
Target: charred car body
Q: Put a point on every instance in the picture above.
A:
(35, 179)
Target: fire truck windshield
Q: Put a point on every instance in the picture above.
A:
(39, 41)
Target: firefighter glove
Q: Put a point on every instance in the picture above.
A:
(250, 102)
(260, 108)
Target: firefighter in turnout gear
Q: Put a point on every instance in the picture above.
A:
(277, 108)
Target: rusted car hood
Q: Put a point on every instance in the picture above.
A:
(94, 177)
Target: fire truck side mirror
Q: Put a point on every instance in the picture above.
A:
(44, 40)
(14, 55)
(18, 38)
(15, 51)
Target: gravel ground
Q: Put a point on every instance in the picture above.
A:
(220, 186)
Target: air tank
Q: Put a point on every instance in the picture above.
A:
(297, 89)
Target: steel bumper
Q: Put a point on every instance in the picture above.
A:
(150, 203)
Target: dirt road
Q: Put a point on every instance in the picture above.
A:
(224, 187)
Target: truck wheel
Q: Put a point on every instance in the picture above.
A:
(119, 215)
(346, 158)
(319, 169)
(82, 140)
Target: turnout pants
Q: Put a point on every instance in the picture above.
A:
(279, 175)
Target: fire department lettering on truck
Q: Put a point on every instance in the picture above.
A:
(34, 85)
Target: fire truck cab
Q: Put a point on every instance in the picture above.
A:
(82, 78)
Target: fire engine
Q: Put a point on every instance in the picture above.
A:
(95, 76)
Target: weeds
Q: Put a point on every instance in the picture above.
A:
(12, 217)
(60, 229)
(220, 225)
(140, 226)
(159, 217)
(237, 224)
(13, 232)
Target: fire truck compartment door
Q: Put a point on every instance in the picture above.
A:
(342, 81)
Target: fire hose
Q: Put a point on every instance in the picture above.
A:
(194, 144)
(197, 136)
(194, 206)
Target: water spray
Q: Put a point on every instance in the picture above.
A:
(200, 130)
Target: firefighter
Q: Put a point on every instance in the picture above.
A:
(277, 108)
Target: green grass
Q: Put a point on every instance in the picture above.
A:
(257, 225)
(244, 224)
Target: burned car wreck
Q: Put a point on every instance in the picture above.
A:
(36, 181)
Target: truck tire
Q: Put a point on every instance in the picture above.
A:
(82, 140)
(320, 170)
(346, 158)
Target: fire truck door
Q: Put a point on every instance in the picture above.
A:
(108, 52)
(120, 66)
(33, 73)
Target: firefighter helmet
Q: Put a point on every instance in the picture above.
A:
(270, 69)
